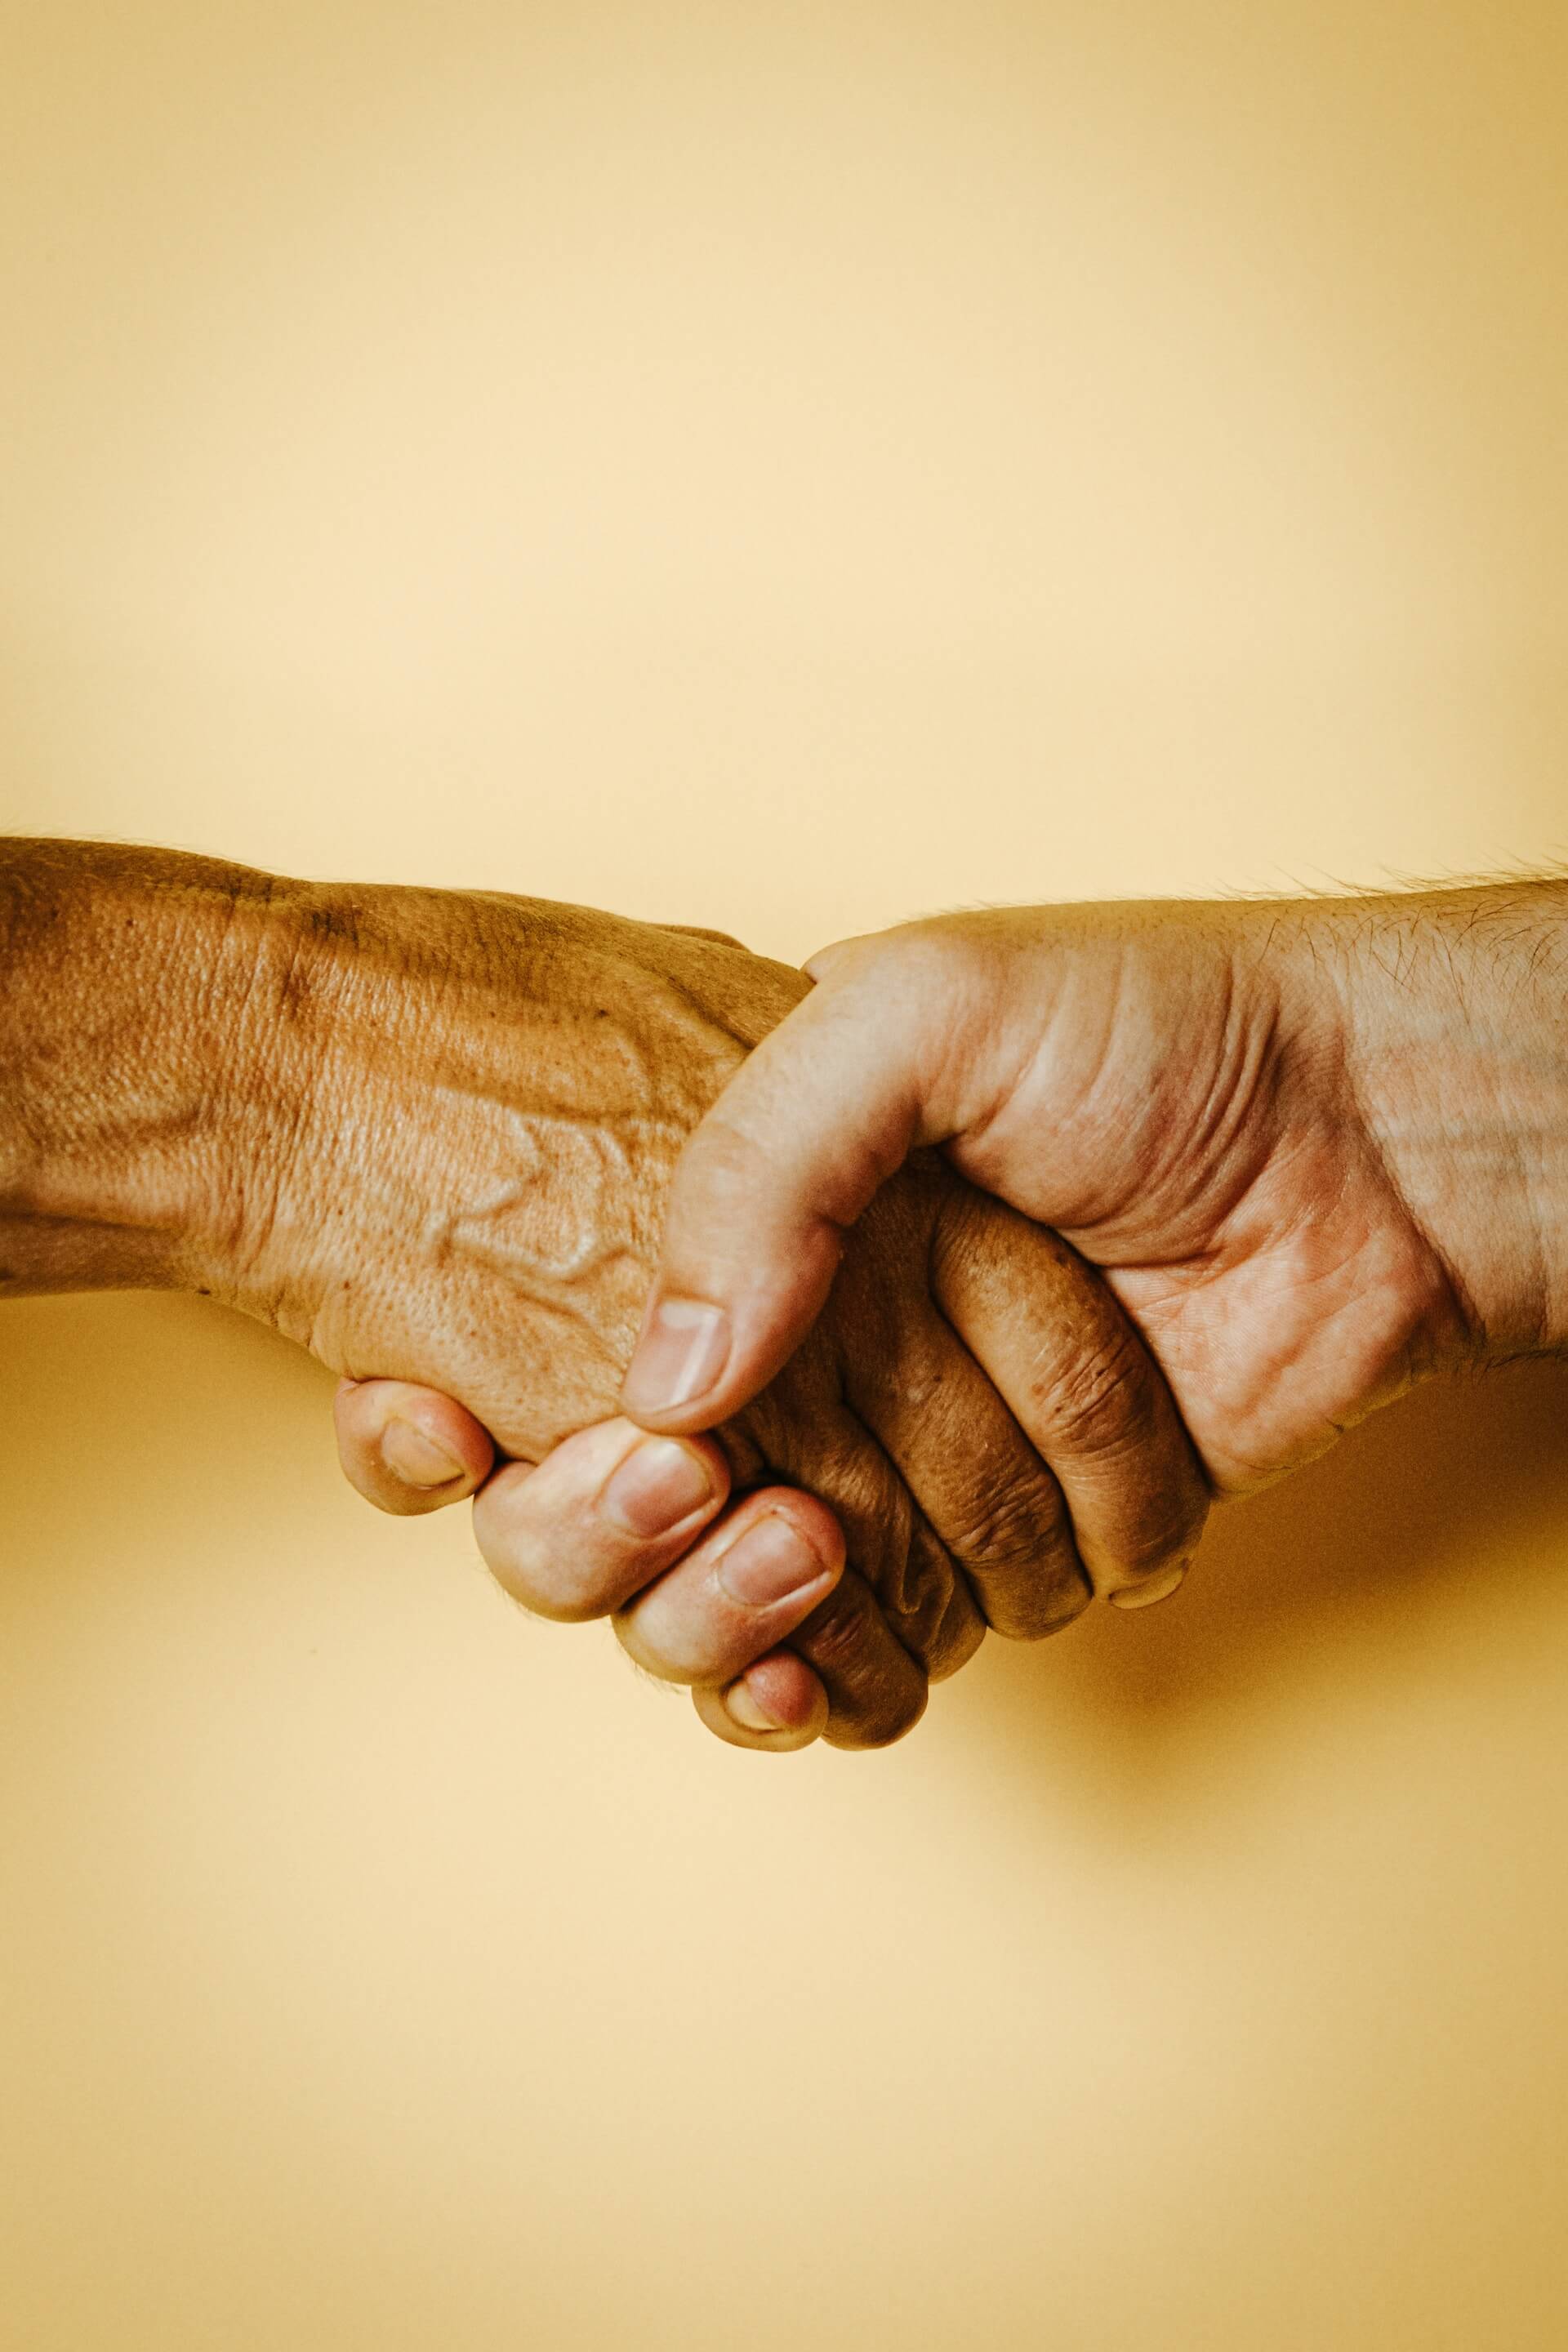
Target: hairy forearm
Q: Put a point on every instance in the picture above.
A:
(140, 1044)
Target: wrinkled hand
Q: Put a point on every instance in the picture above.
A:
(469, 1200)
(1173, 1087)
(1320, 1150)
(1317, 1148)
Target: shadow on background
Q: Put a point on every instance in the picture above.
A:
(1372, 1555)
(1442, 1519)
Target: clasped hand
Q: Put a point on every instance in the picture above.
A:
(534, 1104)
(1018, 1237)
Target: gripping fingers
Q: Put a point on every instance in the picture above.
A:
(1083, 1388)
(606, 1514)
(876, 1690)
(607, 1510)
(738, 1593)
(579, 1538)
(774, 1560)
(994, 1507)
(845, 1677)
(408, 1450)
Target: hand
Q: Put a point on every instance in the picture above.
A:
(495, 1093)
(553, 1542)
(428, 1134)
(1319, 1148)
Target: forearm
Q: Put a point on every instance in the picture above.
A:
(1456, 1006)
(142, 1029)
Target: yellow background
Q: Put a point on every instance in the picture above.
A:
(784, 467)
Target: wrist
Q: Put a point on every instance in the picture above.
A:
(1455, 1013)
(132, 1013)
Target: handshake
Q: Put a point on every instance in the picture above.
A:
(806, 1327)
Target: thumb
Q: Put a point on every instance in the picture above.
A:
(819, 1115)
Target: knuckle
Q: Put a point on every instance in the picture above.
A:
(873, 1509)
(536, 1574)
(1009, 1519)
(838, 1634)
(1094, 1402)
(877, 1691)
(1015, 1548)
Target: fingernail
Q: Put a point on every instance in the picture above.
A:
(1158, 1588)
(768, 1563)
(684, 1347)
(658, 1485)
(416, 1459)
(743, 1709)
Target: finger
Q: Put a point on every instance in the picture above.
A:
(876, 1690)
(813, 1122)
(407, 1449)
(739, 1592)
(818, 1442)
(605, 1512)
(991, 1501)
(1084, 1389)
(900, 1616)
(988, 1499)
(777, 1705)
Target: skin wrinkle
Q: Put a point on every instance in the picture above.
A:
(1382, 1129)
(1529, 1168)
(448, 1123)
(924, 1578)
(1092, 1085)
(1099, 1123)
(1391, 1368)
(1248, 1059)
(1172, 1514)
(906, 1607)
(1313, 1292)
(278, 990)
(951, 970)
